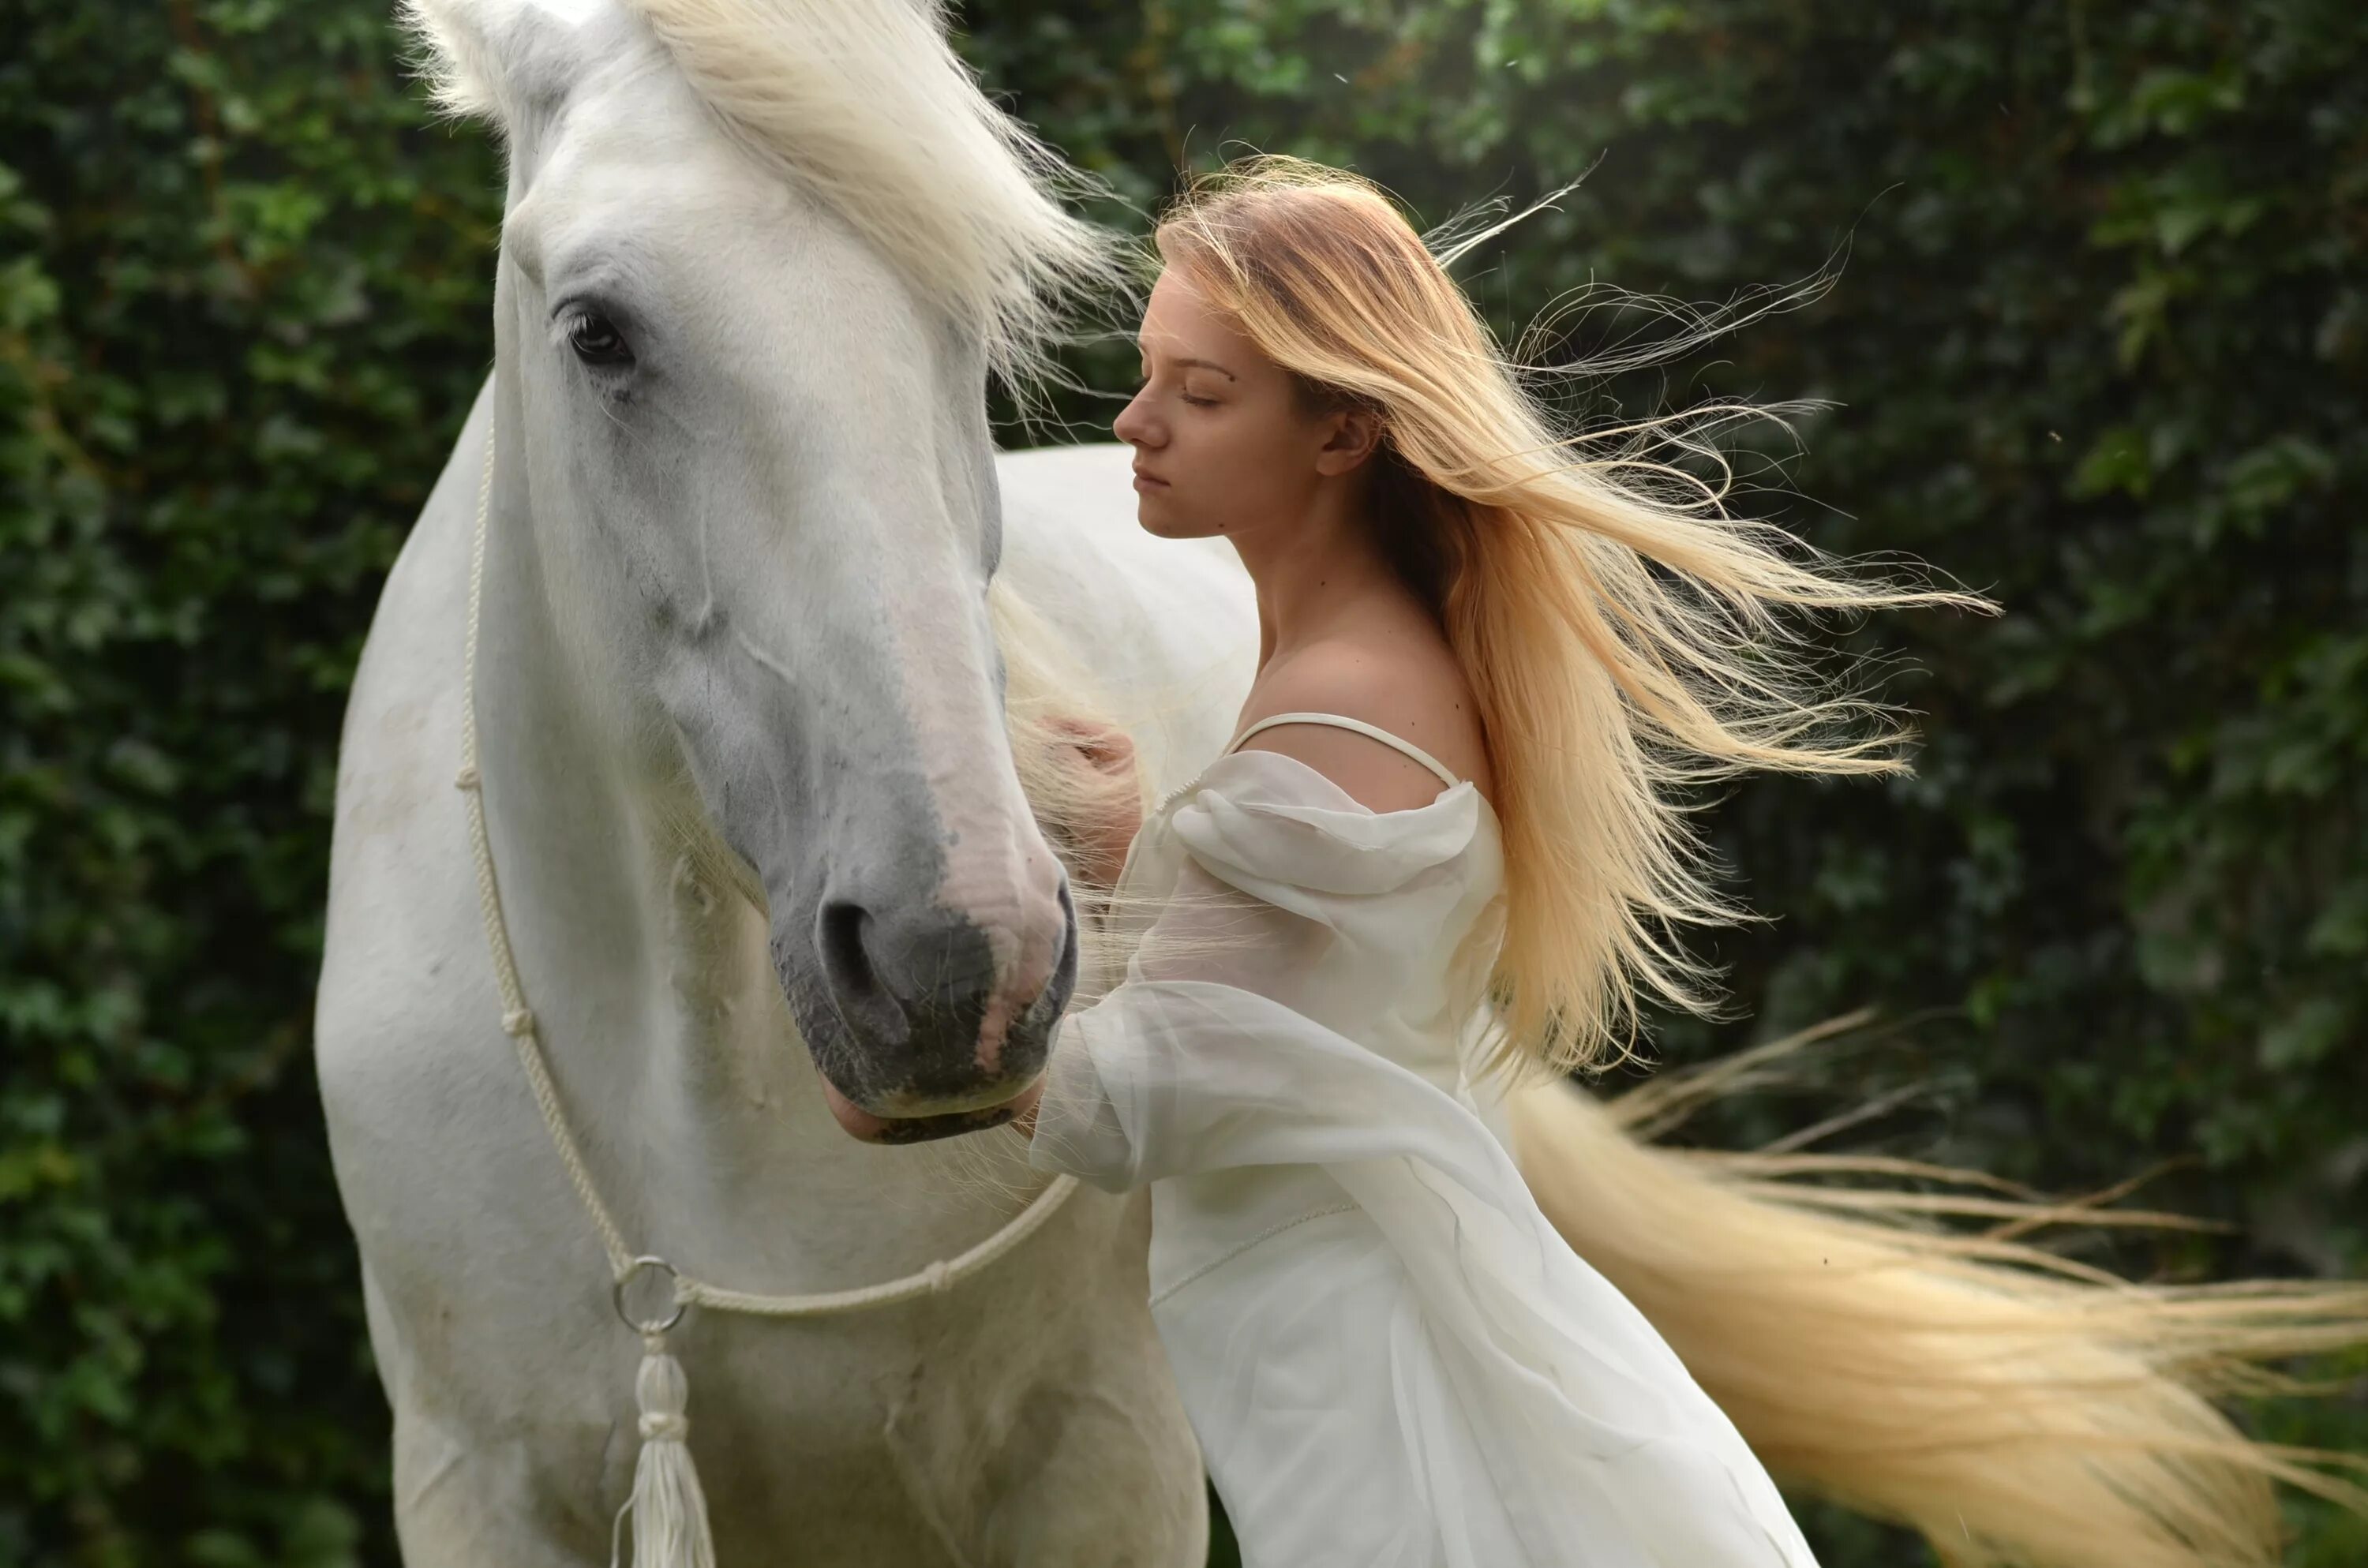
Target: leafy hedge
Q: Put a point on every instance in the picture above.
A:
(2097, 350)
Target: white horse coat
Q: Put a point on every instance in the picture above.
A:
(734, 609)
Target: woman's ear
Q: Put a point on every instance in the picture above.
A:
(1350, 437)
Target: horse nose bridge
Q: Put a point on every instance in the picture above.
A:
(1002, 871)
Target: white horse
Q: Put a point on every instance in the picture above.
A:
(737, 639)
(760, 605)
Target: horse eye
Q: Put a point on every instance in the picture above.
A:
(596, 341)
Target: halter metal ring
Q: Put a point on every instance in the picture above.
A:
(633, 1272)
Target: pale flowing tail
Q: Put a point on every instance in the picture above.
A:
(2016, 1408)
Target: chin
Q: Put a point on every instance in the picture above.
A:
(1166, 527)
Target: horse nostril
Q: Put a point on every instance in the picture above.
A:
(840, 933)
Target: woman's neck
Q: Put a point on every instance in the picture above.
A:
(1314, 573)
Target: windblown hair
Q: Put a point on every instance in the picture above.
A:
(1625, 636)
(1627, 639)
(2020, 1408)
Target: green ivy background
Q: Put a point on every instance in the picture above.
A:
(2096, 347)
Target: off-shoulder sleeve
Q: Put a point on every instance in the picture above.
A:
(1232, 1039)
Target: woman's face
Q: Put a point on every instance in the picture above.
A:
(1221, 443)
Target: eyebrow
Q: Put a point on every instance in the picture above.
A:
(1205, 364)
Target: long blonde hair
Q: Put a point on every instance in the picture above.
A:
(1627, 639)
(1623, 632)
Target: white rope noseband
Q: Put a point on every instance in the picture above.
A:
(669, 1514)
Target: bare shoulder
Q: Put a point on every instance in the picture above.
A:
(1411, 686)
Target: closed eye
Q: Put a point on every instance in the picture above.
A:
(1143, 381)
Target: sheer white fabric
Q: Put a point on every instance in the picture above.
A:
(1390, 1357)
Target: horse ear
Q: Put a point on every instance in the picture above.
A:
(506, 61)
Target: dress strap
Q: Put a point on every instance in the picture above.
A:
(1342, 720)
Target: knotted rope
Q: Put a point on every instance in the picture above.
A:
(669, 1511)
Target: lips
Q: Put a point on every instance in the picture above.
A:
(1145, 477)
(869, 1129)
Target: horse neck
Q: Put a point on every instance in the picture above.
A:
(677, 1058)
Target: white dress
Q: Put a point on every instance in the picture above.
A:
(1390, 1357)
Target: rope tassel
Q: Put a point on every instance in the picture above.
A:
(669, 1508)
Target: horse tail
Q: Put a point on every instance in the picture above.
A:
(2014, 1406)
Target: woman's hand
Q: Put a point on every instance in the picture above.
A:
(1112, 812)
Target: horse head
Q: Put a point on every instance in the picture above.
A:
(751, 289)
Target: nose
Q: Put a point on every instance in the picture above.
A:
(952, 1010)
(1133, 425)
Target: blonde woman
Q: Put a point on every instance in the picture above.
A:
(1490, 650)
(1473, 689)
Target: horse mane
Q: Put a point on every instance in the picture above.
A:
(866, 104)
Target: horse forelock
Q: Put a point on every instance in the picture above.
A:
(867, 101)
(867, 104)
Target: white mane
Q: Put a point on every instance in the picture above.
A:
(867, 103)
